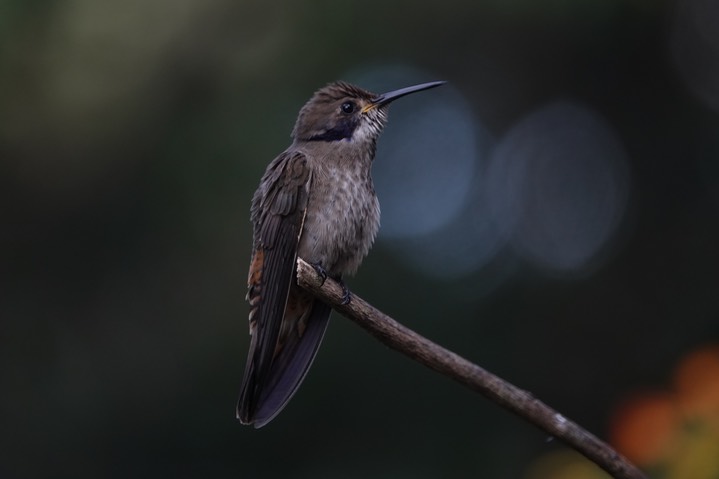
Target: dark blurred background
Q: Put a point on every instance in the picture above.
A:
(552, 214)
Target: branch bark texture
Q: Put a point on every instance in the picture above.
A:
(424, 351)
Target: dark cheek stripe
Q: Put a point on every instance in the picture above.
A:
(344, 129)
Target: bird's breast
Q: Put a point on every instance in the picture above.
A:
(342, 218)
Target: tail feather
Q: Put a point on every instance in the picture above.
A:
(261, 399)
(291, 366)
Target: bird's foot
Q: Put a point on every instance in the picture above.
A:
(321, 271)
(346, 295)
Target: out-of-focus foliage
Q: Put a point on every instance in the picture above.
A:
(672, 434)
(552, 214)
(675, 433)
(564, 464)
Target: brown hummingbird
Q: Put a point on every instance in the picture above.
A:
(316, 200)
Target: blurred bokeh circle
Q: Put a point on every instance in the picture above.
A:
(558, 186)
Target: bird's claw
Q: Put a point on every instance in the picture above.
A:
(346, 295)
(321, 271)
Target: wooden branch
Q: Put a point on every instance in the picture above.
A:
(424, 351)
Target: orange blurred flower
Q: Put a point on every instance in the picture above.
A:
(643, 425)
(675, 432)
(696, 381)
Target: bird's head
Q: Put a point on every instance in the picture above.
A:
(341, 111)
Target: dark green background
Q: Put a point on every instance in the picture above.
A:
(132, 136)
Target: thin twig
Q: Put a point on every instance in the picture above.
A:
(424, 351)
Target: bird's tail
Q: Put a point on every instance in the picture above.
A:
(262, 398)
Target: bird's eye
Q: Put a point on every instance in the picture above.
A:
(348, 107)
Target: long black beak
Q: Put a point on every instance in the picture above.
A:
(386, 98)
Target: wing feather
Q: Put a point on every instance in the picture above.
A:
(285, 334)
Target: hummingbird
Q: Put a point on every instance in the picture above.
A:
(316, 200)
